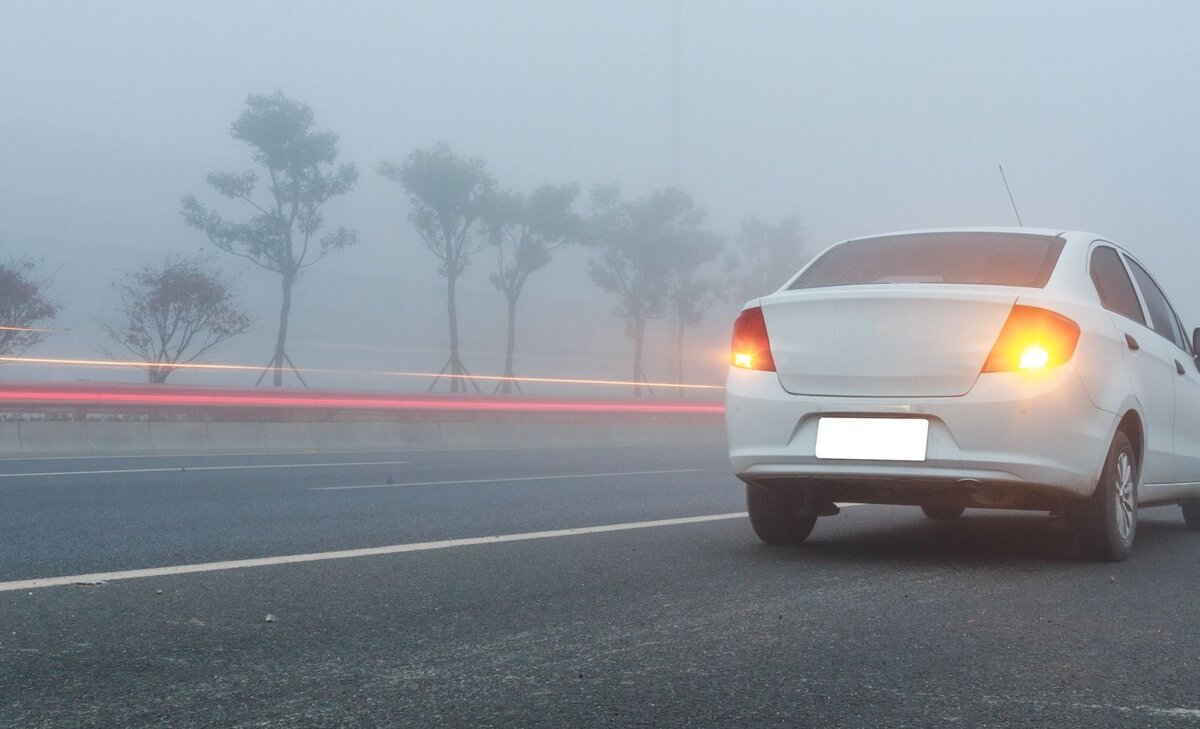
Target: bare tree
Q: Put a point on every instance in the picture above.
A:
(525, 231)
(449, 194)
(172, 315)
(637, 242)
(763, 256)
(283, 234)
(23, 305)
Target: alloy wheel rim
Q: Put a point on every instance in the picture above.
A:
(1126, 509)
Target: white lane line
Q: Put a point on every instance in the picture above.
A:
(202, 468)
(1156, 710)
(505, 480)
(184, 569)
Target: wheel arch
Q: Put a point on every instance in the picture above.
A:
(1131, 425)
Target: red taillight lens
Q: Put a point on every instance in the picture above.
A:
(751, 348)
(1033, 338)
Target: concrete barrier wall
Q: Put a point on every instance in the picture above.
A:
(120, 438)
(10, 440)
(180, 437)
(259, 437)
(422, 435)
(57, 439)
(36, 439)
(478, 435)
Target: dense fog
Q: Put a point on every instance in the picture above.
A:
(854, 118)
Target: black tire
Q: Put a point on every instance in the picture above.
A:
(1106, 523)
(779, 516)
(938, 511)
(1191, 513)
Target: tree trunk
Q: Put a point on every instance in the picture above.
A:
(281, 340)
(506, 385)
(158, 375)
(680, 328)
(639, 338)
(452, 311)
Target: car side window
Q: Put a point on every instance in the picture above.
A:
(1162, 317)
(1113, 284)
(1187, 338)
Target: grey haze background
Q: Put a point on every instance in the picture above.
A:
(859, 117)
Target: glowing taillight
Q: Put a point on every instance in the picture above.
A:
(751, 347)
(1031, 339)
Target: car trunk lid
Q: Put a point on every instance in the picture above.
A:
(891, 340)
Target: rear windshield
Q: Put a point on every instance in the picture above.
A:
(992, 259)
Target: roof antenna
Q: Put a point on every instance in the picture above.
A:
(1010, 197)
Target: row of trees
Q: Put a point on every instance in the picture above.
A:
(167, 316)
(653, 254)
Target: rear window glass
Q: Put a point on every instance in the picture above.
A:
(992, 259)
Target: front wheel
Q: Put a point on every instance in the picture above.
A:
(1106, 523)
(779, 516)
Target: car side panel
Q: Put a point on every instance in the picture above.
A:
(1187, 423)
(1152, 373)
(1109, 369)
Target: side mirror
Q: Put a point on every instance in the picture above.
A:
(1196, 342)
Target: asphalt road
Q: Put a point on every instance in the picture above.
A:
(883, 619)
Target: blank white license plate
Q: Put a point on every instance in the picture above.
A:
(872, 439)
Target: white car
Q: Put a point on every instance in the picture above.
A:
(1005, 368)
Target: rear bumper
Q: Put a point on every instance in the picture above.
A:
(1016, 439)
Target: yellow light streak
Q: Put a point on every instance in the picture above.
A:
(26, 329)
(383, 373)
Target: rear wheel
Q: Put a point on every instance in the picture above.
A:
(779, 516)
(937, 511)
(1191, 513)
(1106, 523)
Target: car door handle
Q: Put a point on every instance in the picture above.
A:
(1131, 342)
(1179, 370)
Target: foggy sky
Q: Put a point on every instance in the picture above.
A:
(858, 117)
